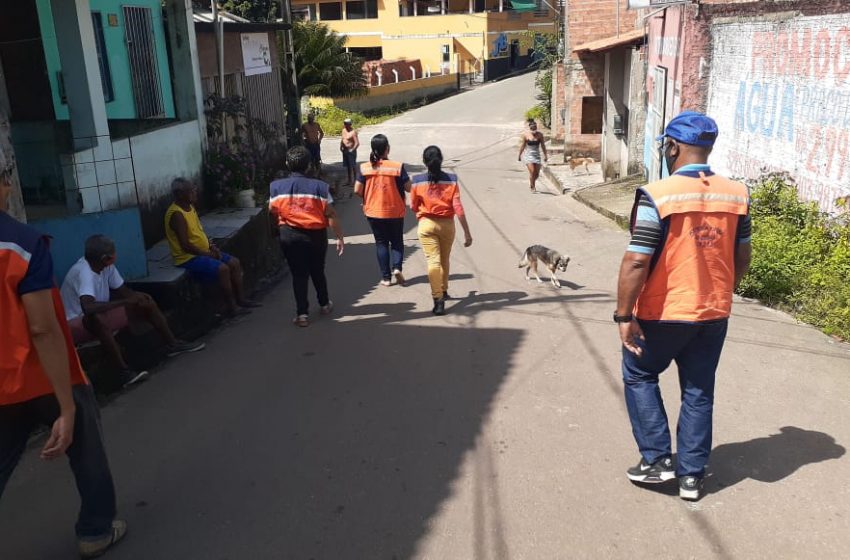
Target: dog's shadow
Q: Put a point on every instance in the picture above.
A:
(564, 283)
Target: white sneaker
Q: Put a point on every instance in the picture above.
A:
(326, 309)
(386, 283)
(302, 321)
(399, 277)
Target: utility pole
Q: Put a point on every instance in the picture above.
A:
(290, 77)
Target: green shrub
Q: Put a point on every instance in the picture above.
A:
(537, 113)
(801, 257)
(330, 118)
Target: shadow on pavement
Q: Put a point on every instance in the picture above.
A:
(766, 459)
(771, 458)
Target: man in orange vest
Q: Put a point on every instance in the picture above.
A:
(690, 247)
(42, 382)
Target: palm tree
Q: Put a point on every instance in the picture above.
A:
(323, 66)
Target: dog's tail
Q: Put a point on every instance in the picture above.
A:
(523, 261)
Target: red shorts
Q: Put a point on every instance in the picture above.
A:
(116, 319)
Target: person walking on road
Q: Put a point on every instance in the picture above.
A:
(435, 198)
(312, 135)
(690, 247)
(42, 381)
(529, 152)
(302, 207)
(348, 145)
(382, 184)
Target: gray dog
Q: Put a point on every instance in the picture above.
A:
(553, 260)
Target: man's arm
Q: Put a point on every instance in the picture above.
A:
(356, 140)
(321, 132)
(634, 270)
(181, 229)
(49, 342)
(743, 257)
(330, 213)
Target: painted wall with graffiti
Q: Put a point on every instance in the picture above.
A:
(780, 91)
(663, 82)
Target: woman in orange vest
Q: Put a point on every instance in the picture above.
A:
(435, 197)
(381, 183)
(302, 209)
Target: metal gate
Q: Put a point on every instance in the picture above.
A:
(144, 68)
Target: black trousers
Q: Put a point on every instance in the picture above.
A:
(305, 251)
(86, 454)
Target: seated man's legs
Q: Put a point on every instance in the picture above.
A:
(102, 326)
(227, 273)
(147, 310)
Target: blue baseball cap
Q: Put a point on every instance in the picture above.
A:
(692, 128)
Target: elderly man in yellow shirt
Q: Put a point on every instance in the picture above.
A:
(191, 249)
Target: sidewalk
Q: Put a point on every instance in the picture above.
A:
(613, 199)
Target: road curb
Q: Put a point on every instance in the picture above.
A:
(622, 221)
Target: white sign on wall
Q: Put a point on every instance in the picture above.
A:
(256, 55)
(780, 92)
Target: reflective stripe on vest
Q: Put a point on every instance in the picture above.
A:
(381, 196)
(303, 211)
(22, 377)
(694, 276)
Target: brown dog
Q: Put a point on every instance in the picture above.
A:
(580, 162)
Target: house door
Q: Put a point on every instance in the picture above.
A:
(658, 115)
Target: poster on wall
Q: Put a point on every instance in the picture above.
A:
(256, 54)
(781, 96)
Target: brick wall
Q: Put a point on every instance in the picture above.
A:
(387, 66)
(779, 89)
(583, 75)
(590, 20)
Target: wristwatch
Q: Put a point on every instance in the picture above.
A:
(623, 318)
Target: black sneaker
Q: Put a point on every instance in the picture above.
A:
(658, 472)
(181, 347)
(690, 488)
(439, 307)
(129, 377)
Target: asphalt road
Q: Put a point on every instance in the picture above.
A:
(495, 432)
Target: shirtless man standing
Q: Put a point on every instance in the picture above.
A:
(312, 134)
(348, 145)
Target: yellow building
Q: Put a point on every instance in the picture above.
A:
(485, 38)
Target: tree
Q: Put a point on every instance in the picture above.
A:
(255, 10)
(323, 66)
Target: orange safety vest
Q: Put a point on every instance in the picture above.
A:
(299, 202)
(22, 377)
(433, 200)
(381, 196)
(693, 277)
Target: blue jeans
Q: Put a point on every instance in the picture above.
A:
(86, 454)
(389, 239)
(696, 348)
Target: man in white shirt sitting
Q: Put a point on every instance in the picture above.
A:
(98, 304)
